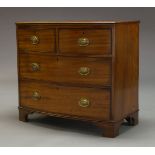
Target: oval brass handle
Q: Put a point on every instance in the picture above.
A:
(34, 40)
(83, 41)
(84, 102)
(84, 70)
(36, 96)
(35, 66)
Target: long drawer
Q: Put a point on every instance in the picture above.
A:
(88, 71)
(83, 102)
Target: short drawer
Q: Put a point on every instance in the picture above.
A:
(69, 70)
(37, 40)
(85, 41)
(81, 102)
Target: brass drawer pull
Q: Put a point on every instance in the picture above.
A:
(34, 40)
(83, 41)
(35, 66)
(36, 96)
(84, 102)
(84, 70)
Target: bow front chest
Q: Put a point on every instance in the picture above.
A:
(86, 70)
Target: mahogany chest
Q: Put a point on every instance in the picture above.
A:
(85, 70)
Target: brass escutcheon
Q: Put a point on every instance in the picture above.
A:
(36, 96)
(34, 40)
(84, 70)
(84, 102)
(83, 41)
(35, 66)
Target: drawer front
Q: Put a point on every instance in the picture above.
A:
(37, 40)
(83, 102)
(89, 71)
(85, 41)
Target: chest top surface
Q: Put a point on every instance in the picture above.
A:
(78, 22)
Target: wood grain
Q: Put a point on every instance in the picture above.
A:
(126, 66)
(65, 99)
(46, 40)
(99, 41)
(66, 69)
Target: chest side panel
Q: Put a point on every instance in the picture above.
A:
(126, 70)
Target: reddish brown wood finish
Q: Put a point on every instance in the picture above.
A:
(66, 69)
(111, 86)
(125, 75)
(52, 97)
(110, 129)
(23, 115)
(46, 40)
(99, 41)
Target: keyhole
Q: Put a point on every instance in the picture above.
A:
(83, 33)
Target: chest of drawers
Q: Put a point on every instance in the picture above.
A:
(84, 70)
